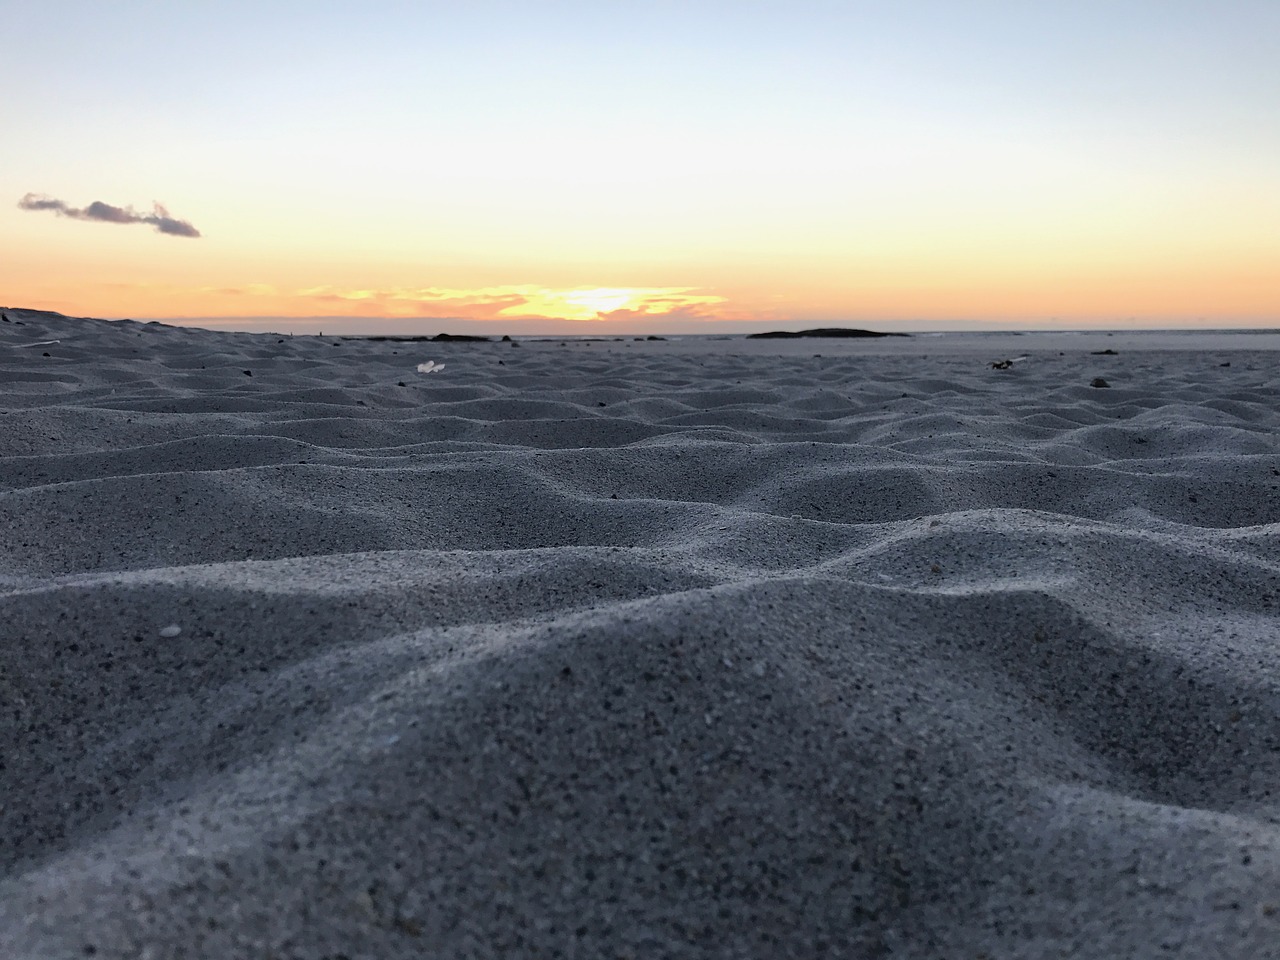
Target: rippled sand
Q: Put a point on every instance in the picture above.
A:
(662, 649)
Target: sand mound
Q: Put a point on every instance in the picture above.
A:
(636, 650)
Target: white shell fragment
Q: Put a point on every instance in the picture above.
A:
(171, 631)
(430, 367)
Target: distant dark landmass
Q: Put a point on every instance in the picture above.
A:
(822, 332)
(438, 338)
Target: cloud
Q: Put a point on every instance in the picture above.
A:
(248, 290)
(106, 213)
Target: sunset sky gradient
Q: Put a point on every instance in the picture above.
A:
(664, 167)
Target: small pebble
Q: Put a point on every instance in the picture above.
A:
(1099, 382)
(171, 631)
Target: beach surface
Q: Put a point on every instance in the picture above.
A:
(662, 649)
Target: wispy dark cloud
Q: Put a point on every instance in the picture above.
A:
(105, 212)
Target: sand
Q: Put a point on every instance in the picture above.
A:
(663, 649)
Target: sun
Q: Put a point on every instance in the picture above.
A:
(581, 303)
(591, 303)
(596, 303)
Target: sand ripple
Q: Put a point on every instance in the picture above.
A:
(623, 650)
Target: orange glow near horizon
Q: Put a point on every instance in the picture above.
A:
(1133, 260)
(1228, 291)
(1243, 296)
(514, 302)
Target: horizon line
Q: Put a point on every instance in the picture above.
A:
(718, 327)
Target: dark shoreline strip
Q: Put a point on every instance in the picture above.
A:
(822, 332)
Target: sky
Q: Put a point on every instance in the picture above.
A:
(657, 167)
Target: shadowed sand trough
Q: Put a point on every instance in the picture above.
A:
(705, 649)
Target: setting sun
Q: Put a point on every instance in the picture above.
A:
(599, 303)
